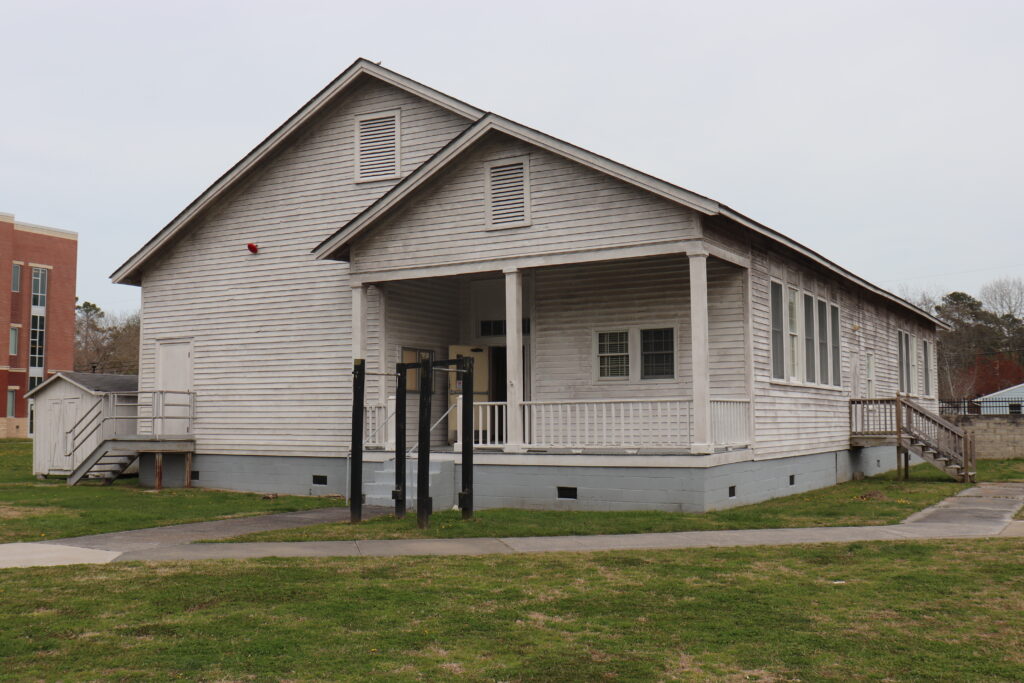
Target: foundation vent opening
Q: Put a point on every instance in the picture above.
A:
(792, 480)
(567, 492)
(320, 480)
(194, 475)
(732, 491)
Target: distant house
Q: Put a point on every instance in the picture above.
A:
(70, 400)
(1004, 402)
(638, 345)
(37, 312)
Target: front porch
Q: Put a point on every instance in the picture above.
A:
(645, 355)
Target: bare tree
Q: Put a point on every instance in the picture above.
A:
(1004, 296)
(924, 298)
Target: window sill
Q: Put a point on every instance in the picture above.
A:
(806, 385)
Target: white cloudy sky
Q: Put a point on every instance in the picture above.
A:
(886, 135)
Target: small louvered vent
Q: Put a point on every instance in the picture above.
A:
(508, 191)
(377, 156)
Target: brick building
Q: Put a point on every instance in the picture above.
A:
(37, 308)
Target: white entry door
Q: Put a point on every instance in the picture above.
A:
(174, 373)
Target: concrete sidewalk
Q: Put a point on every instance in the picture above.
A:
(983, 511)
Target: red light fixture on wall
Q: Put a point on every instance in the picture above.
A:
(253, 248)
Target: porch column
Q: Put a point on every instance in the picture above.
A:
(514, 351)
(358, 321)
(699, 350)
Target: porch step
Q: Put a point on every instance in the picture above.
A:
(377, 490)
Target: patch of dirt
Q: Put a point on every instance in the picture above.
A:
(22, 511)
(872, 495)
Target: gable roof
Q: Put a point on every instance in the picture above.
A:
(93, 382)
(336, 246)
(128, 272)
(1016, 390)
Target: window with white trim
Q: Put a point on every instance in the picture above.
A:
(39, 283)
(16, 278)
(636, 354)
(805, 337)
(929, 357)
(778, 335)
(508, 193)
(657, 354)
(13, 342)
(12, 398)
(903, 344)
(378, 146)
(869, 373)
(613, 354)
(37, 342)
(915, 379)
(793, 332)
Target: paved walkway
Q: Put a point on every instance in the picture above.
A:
(983, 511)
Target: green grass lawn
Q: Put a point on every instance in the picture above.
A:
(33, 510)
(877, 500)
(907, 611)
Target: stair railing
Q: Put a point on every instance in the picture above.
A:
(115, 408)
(936, 432)
(85, 427)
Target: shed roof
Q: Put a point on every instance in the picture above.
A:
(93, 382)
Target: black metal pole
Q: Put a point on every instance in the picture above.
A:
(400, 397)
(355, 474)
(466, 495)
(423, 502)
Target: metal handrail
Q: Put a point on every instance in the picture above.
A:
(80, 433)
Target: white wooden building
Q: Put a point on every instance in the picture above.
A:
(62, 403)
(666, 351)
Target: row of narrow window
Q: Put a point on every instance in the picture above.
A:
(805, 338)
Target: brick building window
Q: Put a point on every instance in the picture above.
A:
(39, 277)
(37, 342)
(16, 278)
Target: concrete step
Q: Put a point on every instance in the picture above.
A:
(378, 490)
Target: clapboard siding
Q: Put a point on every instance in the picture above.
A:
(798, 419)
(572, 303)
(573, 208)
(272, 351)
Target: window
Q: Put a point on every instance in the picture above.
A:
(412, 377)
(13, 344)
(836, 358)
(1014, 408)
(613, 354)
(810, 345)
(823, 341)
(377, 146)
(915, 384)
(929, 353)
(869, 372)
(508, 193)
(492, 328)
(12, 398)
(16, 278)
(37, 342)
(778, 340)
(39, 277)
(903, 340)
(34, 382)
(793, 330)
(657, 354)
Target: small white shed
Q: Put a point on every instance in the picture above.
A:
(60, 404)
(1006, 401)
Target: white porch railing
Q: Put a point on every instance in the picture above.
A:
(631, 423)
(490, 422)
(148, 414)
(376, 427)
(730, 422)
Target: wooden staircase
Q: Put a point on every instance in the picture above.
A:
(914, 429)
(113, 456)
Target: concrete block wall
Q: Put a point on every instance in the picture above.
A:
(996, 437)
(537, 486)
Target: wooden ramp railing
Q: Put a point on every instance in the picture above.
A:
(916, 430)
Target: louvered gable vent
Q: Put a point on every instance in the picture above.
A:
(377, 152)
(508, 193)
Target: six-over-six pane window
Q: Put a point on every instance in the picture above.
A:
(637, 353)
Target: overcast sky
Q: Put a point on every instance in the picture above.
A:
(885, 135)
